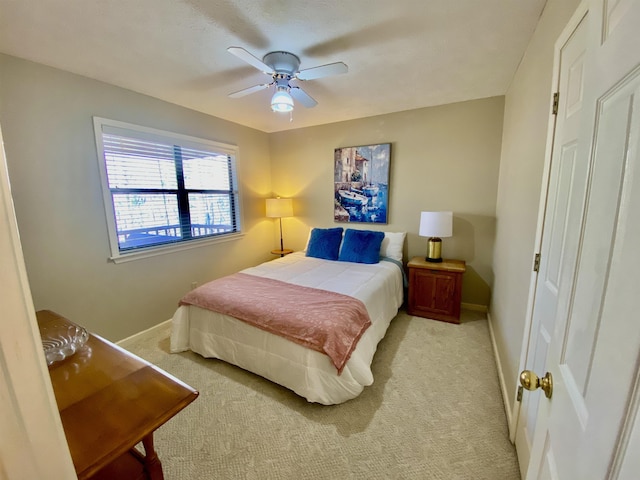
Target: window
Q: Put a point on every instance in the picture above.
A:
(162, 189)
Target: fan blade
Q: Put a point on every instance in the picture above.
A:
(322, 71)
(247, 91)
(303, 97)
(242, 54)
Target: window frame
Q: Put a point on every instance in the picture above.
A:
(148, 133)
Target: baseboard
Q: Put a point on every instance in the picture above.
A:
(503, 386)
(149, 332)
(475, 307)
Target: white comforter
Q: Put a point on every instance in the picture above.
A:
(306, 372)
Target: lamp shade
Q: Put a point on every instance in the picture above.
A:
(279, 207)
(281, 101)
(436, 224)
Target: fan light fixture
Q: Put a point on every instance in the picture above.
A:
(284, 67)
(281, 100)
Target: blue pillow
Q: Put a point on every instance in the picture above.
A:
(361, 246)
(325, 243)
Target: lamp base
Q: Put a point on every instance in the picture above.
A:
(434, 249)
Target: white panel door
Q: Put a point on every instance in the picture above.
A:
(594, 346)
(558, 250)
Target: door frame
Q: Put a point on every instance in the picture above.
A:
(581, 10)
(33, 443)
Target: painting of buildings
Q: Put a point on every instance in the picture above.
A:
(361, 183)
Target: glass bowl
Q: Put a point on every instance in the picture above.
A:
(60, 340)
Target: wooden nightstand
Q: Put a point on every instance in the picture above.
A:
(435, 289)
(282, 253)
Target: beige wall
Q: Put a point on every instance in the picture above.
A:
(442, 158)
(46, 116)
(526, 116)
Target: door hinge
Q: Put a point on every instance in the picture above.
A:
(519, 396)
(556, 100)
(536, 262)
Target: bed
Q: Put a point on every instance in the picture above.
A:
(310, 373)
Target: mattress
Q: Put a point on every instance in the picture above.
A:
(308, 373)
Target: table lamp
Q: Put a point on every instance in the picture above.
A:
(435, 225)
(278, 208)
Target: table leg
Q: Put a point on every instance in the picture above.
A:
(152, 463)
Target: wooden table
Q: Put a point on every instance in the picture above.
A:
(109, 401)
(282, 253)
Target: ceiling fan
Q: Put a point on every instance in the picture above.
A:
(283, 68)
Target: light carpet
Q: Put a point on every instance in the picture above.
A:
(434, 412)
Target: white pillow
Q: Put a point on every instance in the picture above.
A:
(306, 245)
(393, 245)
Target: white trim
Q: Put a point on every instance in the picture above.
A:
(628, 438)
(32, 443)
(100, 125)
(475, 307)
(157, 134)
(174, 247)
(143, 335)
(503, 385)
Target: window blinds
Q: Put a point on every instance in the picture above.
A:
(167, 190)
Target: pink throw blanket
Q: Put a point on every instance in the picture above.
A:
(327, 322)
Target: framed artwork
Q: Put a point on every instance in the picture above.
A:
(361, 183)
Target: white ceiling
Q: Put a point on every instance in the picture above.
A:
(402, 54)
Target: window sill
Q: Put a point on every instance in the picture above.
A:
(165, 249)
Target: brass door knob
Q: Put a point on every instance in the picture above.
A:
(531, 381)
